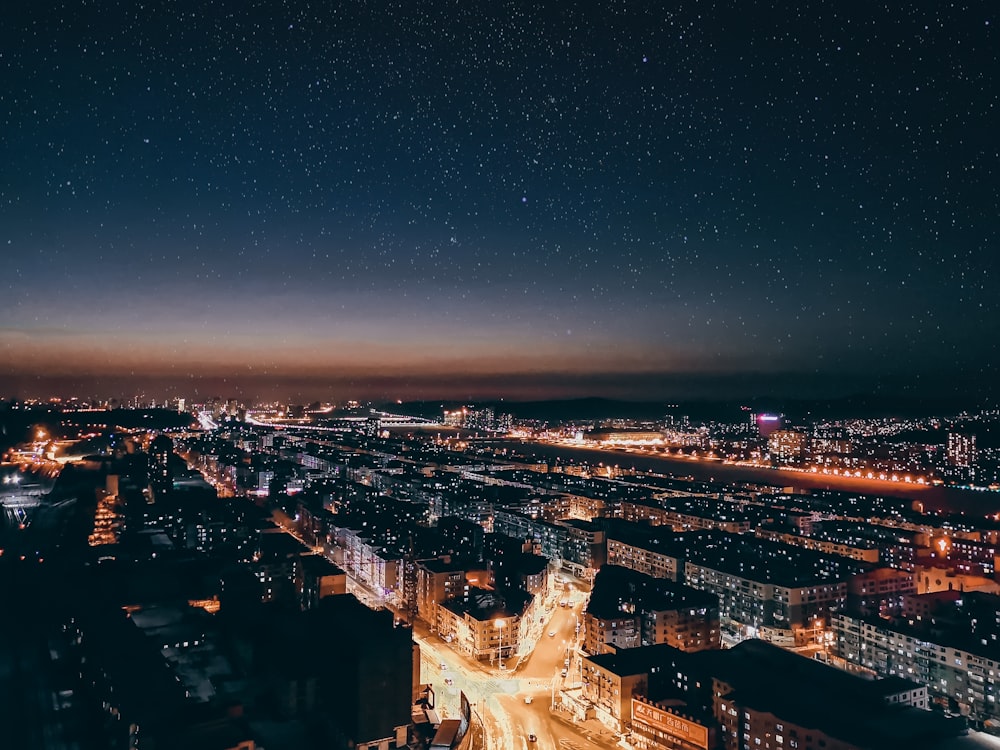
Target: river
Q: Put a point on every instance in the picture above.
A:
(933, 498)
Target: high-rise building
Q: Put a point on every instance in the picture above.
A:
(438, 581)
(962, 454)
(766, 697)
(766, 423)
(830, 439)
(348, 664)
(787, 446)
(629, 609)
(455, 417)
(160, 473)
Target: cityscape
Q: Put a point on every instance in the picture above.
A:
(497, 376)
(222, 575)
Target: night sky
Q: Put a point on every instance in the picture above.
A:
(479, 199)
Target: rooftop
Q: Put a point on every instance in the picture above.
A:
(619, 591)
(637, 661)
(760, 675)
(485, 605)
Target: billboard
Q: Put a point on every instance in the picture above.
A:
(466, 715)
(670, 724)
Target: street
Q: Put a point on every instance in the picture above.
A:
(514, 705)
(523, 699)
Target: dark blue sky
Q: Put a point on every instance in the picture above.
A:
(423, 199)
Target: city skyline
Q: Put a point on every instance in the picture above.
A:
(623, 586)
(518, 202)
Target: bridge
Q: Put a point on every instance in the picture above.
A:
(386, 419)
(401, 420)
(16, 500)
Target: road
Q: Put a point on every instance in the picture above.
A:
(552, 729)
(521, 700)
(512, 705)
(548, 657)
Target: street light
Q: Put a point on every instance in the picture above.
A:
(500, 623)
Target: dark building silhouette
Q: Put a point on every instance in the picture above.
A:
(466, 535)
(353, 683)
(371, 667)
(136, 697)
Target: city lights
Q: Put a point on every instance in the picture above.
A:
(509, 577)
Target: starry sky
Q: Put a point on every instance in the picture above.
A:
(518, 199)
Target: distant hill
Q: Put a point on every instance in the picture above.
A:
(154, 419)
(15, 425)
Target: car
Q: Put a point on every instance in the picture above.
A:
(552, 634)
(443, 666)
(565, 672)
(527, 699)
(532, 738)
(448, 681)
